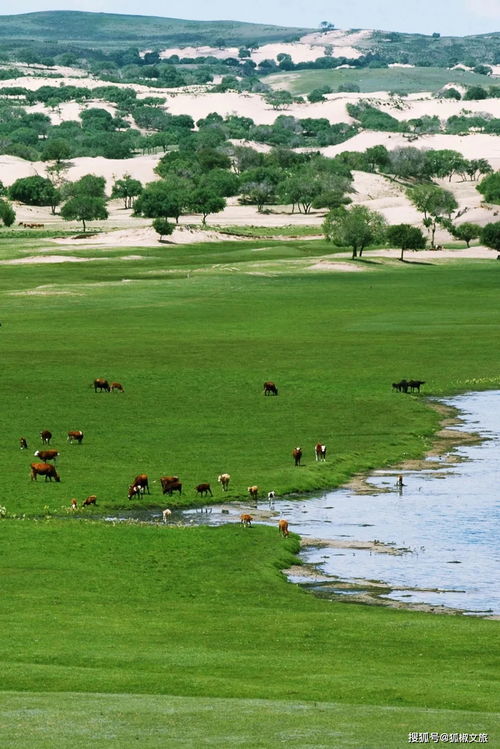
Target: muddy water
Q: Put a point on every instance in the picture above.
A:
(436, 540)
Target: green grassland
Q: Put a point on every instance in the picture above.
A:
(150, 635)
(399, 80)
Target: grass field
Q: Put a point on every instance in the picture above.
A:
(150, 636)
(399, 80)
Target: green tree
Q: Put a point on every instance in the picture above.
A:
(406, 237)
(355, 227)
(89, 185)
(34, 191)
(7, 213)
(489, 187)
(167, 198)
(84, 208)
(434, 202)
(163, 227)
(127, 189)
(490, 235)
(465, 232)
(279, 99)
(97, 119)
(204, 201)
(57, 150)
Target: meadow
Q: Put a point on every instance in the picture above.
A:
(129, 633)
(398, 80)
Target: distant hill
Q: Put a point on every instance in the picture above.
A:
(112, 30)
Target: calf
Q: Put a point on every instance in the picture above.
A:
(203, 490)
(142, 481)
(283, 528)
(46, 436)
(320, 452)
(171, 487)
(46, 455)
(246, 520)
(297, 455)
(74, 504)
(166, 514)
(224, 480)
(117, 386)
(44, 469)
(167, 481)
(23, 444)
(271, 496)
(253, 491)
(92, 500)
(75, 436)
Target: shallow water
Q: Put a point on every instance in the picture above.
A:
(445, 520)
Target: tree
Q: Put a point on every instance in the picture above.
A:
(34, 191)
(89, 185)
(406, 237)
(163, 227)
(279, 99)
(127, 189)
(434, 202)
(84, 208)
(167, 198)
(490, 236)
(204, 201)
(355, 227)
(489, 187)
(57, 150)
(7, 213)
(465, 232)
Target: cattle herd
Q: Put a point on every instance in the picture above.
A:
(408, 386)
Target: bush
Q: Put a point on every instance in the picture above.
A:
(490, 236)
(163, 227)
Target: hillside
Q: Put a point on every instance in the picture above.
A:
(112, 30)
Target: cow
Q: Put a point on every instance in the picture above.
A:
(74, 504)
(166, 514)
(283, 528)
(401, 386)
(246, 520)
(320, 452)
(117, 386)
(44, 469)
(399, 482)
(75, 436)
(101, 384)
(46, 436)
(224, 480)
(203, 490)
(135, 491)
(270, 388)
(271, 496)
(297, 455)
(415, 385)
(46, 455)
(142, 481)
(169, 487)
(23, 444)
(92, 500)
(253, 491)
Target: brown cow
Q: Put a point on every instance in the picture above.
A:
(74, 504)
(92, 500)
(46, 455)
(297, 455)
(203, 490)
(117, 386)
(283, 528)
(270, 388)
(101, 384)
(44, 469)
(170, 484)
(46, 436)
(253, 491)
(23, 444)
(224, 480)
(246, 520)
(142, 482)
(320, 451)
(75, 436)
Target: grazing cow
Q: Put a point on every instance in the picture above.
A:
(297, 455)
(92, 500)
(415, 385)
(283, 527)
(44, 469)
(135, 491)
(203, 490)
(246, 520)
(166, 514)
(46, 436)
(75, 436)
(142, 481)
(23, 444)
(46, 455)
(101, 384)
(253, 491)
(117, 386)
(270, 388)
(224, 480)
(320, 451)
(169, 487)
(74, 504)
